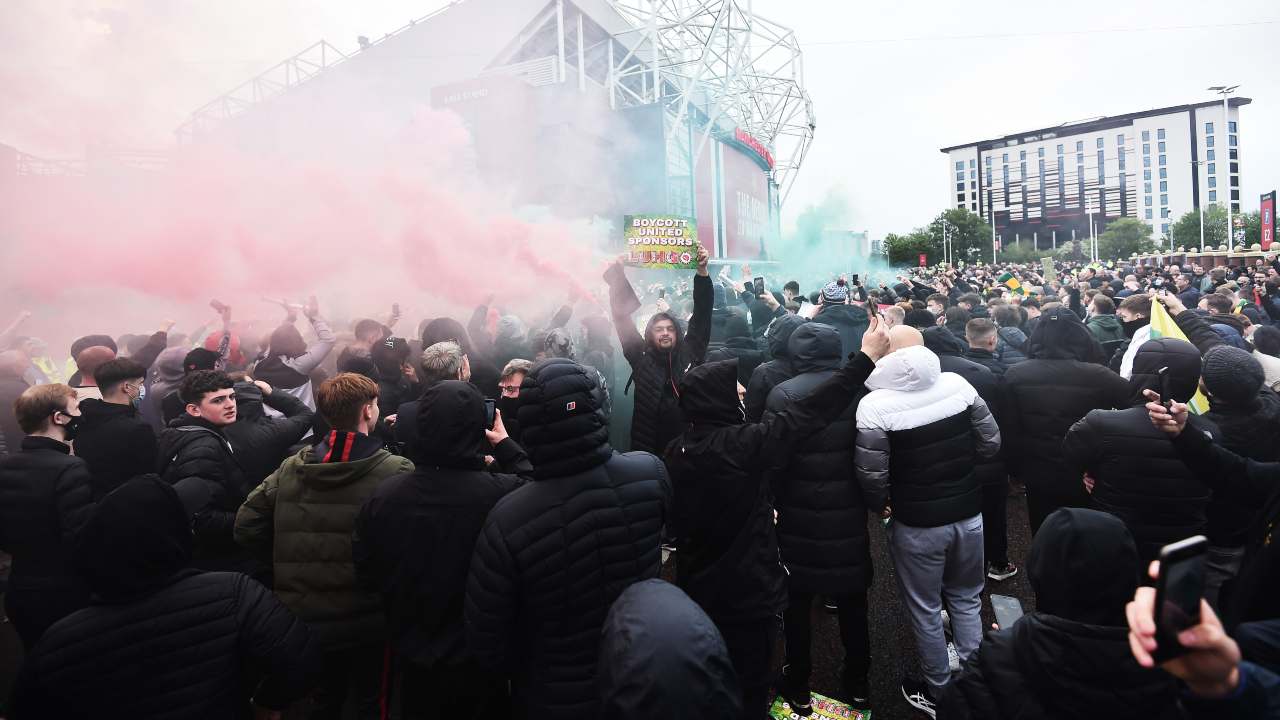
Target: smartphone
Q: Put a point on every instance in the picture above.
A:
(662, 293)
(1166, 396)
(1178, 592)
(854, 280)
(759, 286)
(490, 412)
(1007, 609)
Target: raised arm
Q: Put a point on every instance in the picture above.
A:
(318, 350)
(622, 303)
(699, 334)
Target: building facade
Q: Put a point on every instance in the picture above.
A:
(1046, 186)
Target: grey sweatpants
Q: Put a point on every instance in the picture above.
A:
(933, 565)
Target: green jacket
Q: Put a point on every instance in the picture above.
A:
(300, 520)
(1106, 328)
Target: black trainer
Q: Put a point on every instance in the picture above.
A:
(857, 692)
(920, 696)
(797, 696)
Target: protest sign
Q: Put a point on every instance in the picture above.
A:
(824, 708)
(661, 241)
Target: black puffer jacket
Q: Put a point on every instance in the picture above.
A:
(745, 350)
(991, 471)
(555, 554)
(194, 450)
(1139, 476)
(1070, 658)
(850, 320)
(729, 560)
(414, 535)
(769, 374)
(45, 498)
(160, 641)
(822, 517)
(1251, 431)
(662, 657)
(261, 442)
(1046, 395)
(656, 373)
(115, 443)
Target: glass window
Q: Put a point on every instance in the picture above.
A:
(1022, 168)
(1059, 148)
(972, 163)
(1079, 145)
(1235, 182)
(960, 176)
(1160, 134)
(1146, 135)
(1146, 148)
(988, 177)
(1231, 126)
(1213, 182)
(1213, 196)
(959, 164)
(1213, 168)
(1146, 175)
(1005, 158)
(1040, 152)
(1099, 142)
(1164, 199)
(1209, 155)
(988, 161)
(1208, 141)
(1235, 168)
(1006, 174)
(1042, 166)
(1232, 154)
(1120, 139)
(1208, 128)
(1164, 212)
(1162, 159)
(1147, 201)
(960, 186)
(1164, 186)
(1146, 161)
(974, 207)
(1146, 187)
(1121, 158)
(1148, 212)
(1164, 228)
(1022, 155)
(973, 174)
(1164, 173)
(960, 199)
(1232, 140)
(1161, 147)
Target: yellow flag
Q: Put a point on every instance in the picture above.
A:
(1163, 326)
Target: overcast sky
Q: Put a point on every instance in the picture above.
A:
(891, 82)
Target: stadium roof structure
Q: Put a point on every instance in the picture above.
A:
(714, 64)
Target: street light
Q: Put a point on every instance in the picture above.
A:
(1200, 207)
(1225, 91)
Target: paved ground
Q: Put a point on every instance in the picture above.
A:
(892, 643)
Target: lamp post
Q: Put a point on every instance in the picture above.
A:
(1200, 207)
(1225, 91)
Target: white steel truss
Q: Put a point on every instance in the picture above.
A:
(716, 65)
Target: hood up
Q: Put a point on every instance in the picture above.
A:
(451, 424)
(1061, 335)
(1077, 548)
(563, 425)
(814, 347)
(1180, 357)
(137, 538)
(779, 334)
(662, 657)
(942, 341)
(709, 394)
(909, 368)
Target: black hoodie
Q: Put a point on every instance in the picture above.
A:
(723, 514)
(161, 640)
(769, 374)
(1070, 658)
(115, 443)
(662, 657)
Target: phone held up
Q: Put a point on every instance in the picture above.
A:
(1178, 592)
(490, 412)
(758, 286)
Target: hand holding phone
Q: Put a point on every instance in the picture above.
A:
(490, 412)
(758, 284)
(1179, 590)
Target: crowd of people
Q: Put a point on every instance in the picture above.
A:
(238, 522)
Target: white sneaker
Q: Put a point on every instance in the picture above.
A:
(953, 657)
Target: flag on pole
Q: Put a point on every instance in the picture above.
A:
(1163, 326)
(1011, 282)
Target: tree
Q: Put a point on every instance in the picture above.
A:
(906, 249)
(1251, 223)
(1124, 237)
(1186, 231)
(970, 239)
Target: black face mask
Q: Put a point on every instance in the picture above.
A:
(71, 428)
(1133, 326)
(510, 407)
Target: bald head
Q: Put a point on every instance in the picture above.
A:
(90, 359)
(904, 336)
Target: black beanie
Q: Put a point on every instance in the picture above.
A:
(199, 359)
(1232, 375)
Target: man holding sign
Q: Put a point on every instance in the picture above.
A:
(659, 359)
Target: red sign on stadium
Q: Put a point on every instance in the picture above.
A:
(746, 205)
(756, 146)
(1267, 210)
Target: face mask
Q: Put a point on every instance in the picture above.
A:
(71, 428)
(1133, 326)
(137, 401)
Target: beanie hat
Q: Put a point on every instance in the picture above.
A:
(1232, 375)
(199, 359)
(835, 292)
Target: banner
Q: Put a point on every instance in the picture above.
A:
(824, 708)
(1267, 210)
(1164, 326)
(1047, 264)
(661, 241)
